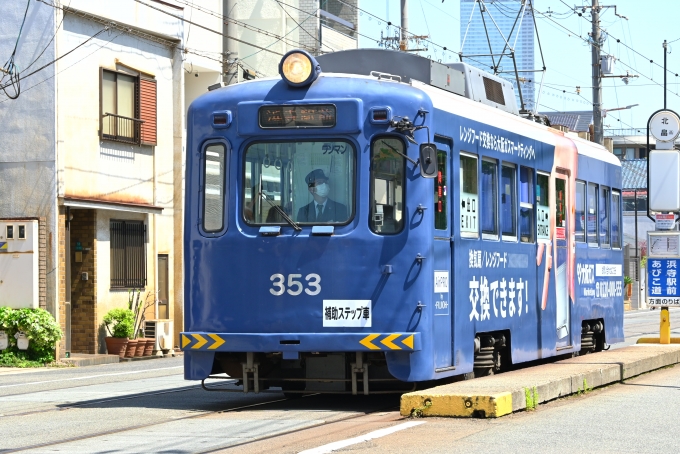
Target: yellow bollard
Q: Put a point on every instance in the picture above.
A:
(665, 327)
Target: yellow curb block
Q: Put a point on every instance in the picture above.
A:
(456, 405)
(656, 340)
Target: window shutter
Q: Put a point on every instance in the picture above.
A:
(147, 110)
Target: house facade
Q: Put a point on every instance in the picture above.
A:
(94, 150)
(93, 146)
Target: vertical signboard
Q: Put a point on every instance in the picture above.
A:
(662, 269)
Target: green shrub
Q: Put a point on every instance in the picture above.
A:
(39, 327)
(120, 322)
(627, 280)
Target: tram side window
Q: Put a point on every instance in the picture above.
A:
(440, 192)
(469, 197)
(387, 185)
(489, 199)
(580, 214)
(591, 224)
(543, 207)
(604, 216)
(526, 204)
(213, 192)
(508, 201)
(616, 219)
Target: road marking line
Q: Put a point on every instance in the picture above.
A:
(91, 376)
(330, 447)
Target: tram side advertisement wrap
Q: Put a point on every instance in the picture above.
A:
(600, 280)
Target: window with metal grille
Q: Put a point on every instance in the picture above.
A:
(494, 91)
(128, 254)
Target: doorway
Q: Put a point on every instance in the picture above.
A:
(163, 307)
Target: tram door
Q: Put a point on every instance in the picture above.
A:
(443, 283)
(561, 255)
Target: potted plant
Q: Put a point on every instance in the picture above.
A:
(138, 306)
(120, 325)
(628, 283)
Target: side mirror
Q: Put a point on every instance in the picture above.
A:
(428, 160)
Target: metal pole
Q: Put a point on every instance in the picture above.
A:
(665, 51)
(636, 237)
(597, 80)
(403, 45)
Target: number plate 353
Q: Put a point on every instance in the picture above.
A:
(294, 284)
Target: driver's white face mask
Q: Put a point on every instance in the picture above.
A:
(322, 189)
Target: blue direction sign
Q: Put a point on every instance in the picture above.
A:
(662, 282)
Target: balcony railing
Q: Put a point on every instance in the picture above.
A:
(121, 129)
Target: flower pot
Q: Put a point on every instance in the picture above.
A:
(141, 345)
(131, 348)
(629, 290)
(148, 351)
(117, 345)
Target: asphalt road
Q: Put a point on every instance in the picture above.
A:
(146, 406)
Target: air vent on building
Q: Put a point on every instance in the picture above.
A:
(494, 91)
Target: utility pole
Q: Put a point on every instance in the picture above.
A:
(597, 80)
(403, 44)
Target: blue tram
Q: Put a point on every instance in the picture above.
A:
(390, 220)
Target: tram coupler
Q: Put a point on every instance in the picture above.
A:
(251, 367)
(359, 368)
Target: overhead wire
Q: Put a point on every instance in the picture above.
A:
(151, 39)
(622, 43)
(589, 42)
(54, 35)
(228, 20)
(69, 66)
(46, 65)
(10, 68)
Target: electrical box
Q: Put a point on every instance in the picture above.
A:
(19, 263)
(664, 180)
(607, 64)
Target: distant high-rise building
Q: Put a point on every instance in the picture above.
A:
(504, 13)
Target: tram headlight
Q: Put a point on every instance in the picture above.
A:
(298, 68)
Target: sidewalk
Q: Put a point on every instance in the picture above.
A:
(499, 395)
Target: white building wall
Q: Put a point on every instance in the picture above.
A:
(116, 172)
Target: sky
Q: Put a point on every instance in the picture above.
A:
(567, 56)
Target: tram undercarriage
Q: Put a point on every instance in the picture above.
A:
(330, 373)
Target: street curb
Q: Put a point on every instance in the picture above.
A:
(82, 360)
(499, 395)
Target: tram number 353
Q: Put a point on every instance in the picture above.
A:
(295, 285)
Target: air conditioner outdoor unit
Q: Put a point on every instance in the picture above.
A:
(162, 331)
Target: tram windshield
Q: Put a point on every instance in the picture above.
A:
(312, 182)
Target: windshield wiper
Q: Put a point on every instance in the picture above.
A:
(415, 163)
(281, 211)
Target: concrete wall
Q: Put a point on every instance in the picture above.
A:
(101, 169)
(269, 16)
(27, 135)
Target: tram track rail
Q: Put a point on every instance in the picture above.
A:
(206, 414)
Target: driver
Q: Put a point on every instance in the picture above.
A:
(321, 209)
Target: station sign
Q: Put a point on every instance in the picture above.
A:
(662, 278)
(664, 126)
(663, 264)
(664, 221)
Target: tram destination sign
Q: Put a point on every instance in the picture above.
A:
(298, 116)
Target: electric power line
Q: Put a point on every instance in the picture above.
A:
(10, 68)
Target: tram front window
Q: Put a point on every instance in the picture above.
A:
(312, 182)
